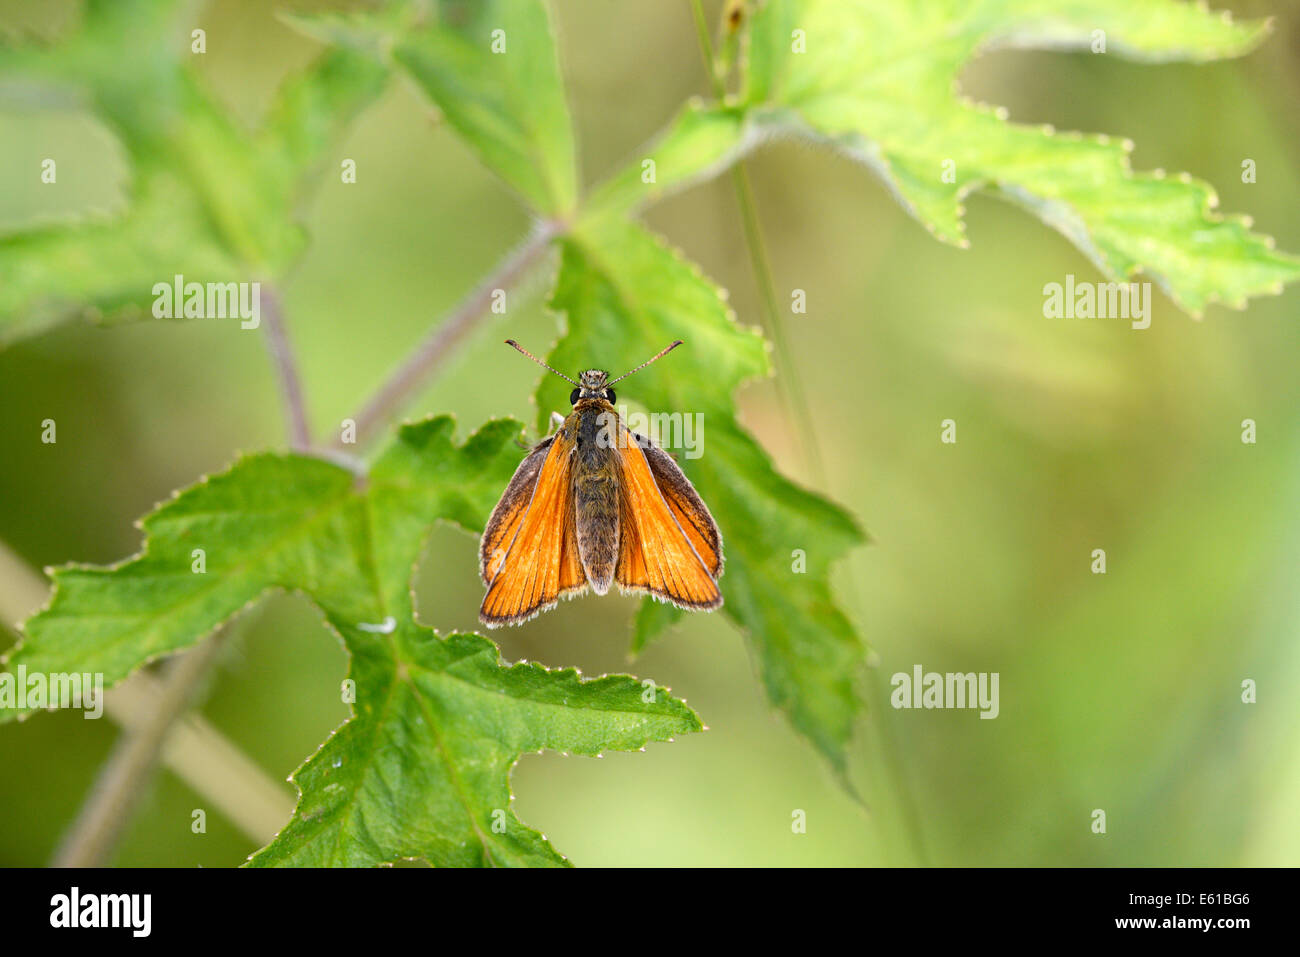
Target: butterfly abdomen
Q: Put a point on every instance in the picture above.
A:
(595, 494)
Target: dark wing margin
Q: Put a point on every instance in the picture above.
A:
(657, 552)
(540, 565)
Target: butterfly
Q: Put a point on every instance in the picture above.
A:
(594, 504)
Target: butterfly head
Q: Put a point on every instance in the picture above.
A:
(592, 384)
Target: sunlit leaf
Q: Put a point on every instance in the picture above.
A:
(422, 768)
(880, 81)
(208, 199)
(625, 295)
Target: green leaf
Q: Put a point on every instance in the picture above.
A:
(509, 106)
(423, 768)
(653, 618)
(270, 521)
(424, 763)
(879, 81)
(701, 142)
(107, 270)
(626, 295)
(209, 199)
(308, 119)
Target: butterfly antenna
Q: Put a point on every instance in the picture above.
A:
(646, 363)
(511, 342)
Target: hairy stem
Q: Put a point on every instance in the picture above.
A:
(157, 705)
(286, 368)
(104, 817)
(151, 717)
(198, 754)
(437, 346)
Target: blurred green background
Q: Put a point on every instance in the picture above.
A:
(1120, 692)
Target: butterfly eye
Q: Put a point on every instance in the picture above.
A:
(573, 396)
(609, 394)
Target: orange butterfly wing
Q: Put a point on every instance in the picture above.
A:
(657, 551)
(510, 511)
(686, 505)
(529, 555)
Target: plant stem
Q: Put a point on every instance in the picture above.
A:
(286, 368)
(99, 826)
(796, 405)
(210, 763)
(788, 381)
(414, 373)
(194, 751)
(158, 705)
(102, 819)
(706, 49)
